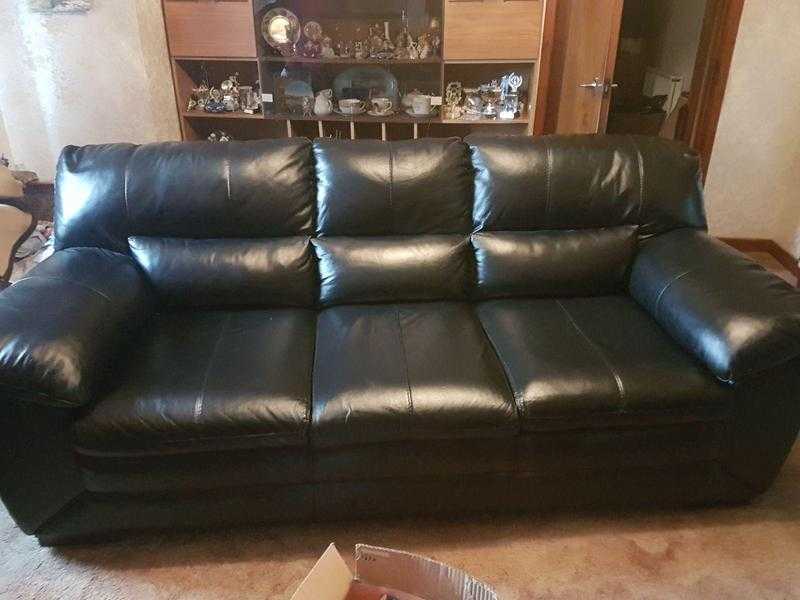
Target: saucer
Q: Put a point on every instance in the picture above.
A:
(411, 113)
(348, 114)
(373, 113)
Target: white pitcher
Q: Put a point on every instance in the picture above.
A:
(323, 104)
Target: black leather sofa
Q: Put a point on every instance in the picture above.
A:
(283, 329)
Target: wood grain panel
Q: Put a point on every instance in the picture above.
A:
(209, 28)
(492, 29)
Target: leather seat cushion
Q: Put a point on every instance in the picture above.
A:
(582, 363)
(209, 380)
(407, 371)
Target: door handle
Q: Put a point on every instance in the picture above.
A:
(593, 85)
(608, 86)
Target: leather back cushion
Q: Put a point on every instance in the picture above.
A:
(229, 272)
(393, 268)
(211, 224)
(574, 182)
(371, 188)
(578, 262)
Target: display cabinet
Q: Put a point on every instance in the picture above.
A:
(355, 68)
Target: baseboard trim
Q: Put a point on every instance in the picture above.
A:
(771, 247)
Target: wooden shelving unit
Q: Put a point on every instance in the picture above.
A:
(199, 35)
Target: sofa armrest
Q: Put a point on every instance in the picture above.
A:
(729, 312)
(62, 325)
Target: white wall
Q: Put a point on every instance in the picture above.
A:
(675, 33)
(97, 77)
(753, 185)
(5, 146)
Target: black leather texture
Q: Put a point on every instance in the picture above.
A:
(231, 272)
(577, 363)
(393, 269)
(296, 330)
(584, 181)
(90, 201)
(370, 188)
(579, 262)
(209, 380)
(732, 314)
(395, 372)
(63, 325)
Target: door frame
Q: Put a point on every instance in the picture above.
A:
(710, 78)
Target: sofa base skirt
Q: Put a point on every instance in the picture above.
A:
(93, 516)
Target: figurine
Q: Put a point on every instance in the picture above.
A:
(425, 48)
(214, 103)
(308, 106)
(452, 100)
(509, 98)
(375, 40)
(200, 95)
(413, 50)
(435, 35)
(360, 52)
(219, 136)
(326, 50)
(311, 49)
(401, 44)
(344, 49)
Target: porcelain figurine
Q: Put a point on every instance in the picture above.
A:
(360, 53)
(327, 50)
(323, 104)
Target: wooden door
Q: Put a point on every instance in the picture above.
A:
(584, 53)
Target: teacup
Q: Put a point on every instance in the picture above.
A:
(352, 106)
(421, 105)
(382, 106)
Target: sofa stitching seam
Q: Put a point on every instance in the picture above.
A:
(660, 296)
(600, 353)
(405, 363)
(65, 280)
(391, 184)
(547, 170)
(198, 404)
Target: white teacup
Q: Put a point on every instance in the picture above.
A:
(382, 105)
(352, 106)
(421, 105)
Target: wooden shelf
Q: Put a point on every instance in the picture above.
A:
(397, 118)
(519, 121)
(201, 114)
(217, 58)
(401, 118)
(433, 60)
(490, 61)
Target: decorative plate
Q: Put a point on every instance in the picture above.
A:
(313, 31)
(280, 28)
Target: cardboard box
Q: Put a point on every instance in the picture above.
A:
(383, 574)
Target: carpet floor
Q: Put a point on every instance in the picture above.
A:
(734, 552)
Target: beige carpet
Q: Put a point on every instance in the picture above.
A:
(744, 552)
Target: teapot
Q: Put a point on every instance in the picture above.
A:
(323, 104)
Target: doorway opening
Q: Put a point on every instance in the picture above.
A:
(661, 64)
(655, 60)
